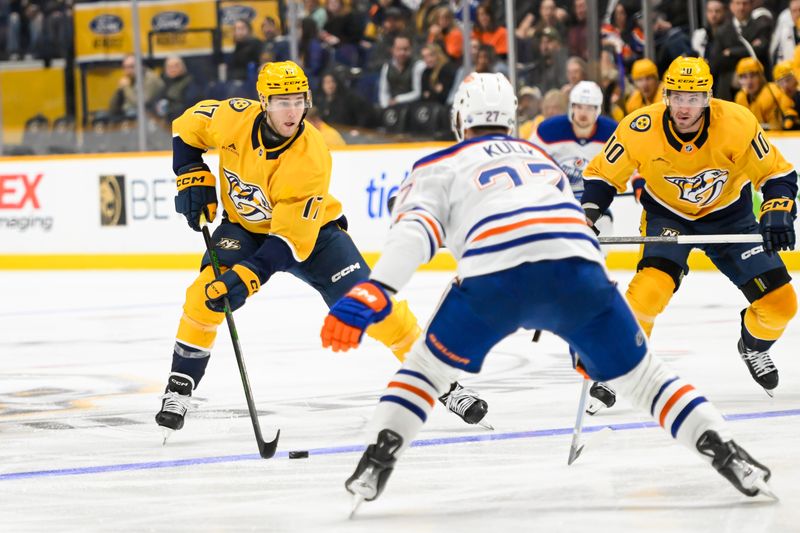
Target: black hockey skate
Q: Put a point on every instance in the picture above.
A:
(760, 366)
(467, 404)
(601, 396)
(374, 468)
(176, 401)
(735, 464)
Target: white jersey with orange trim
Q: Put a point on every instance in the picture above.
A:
(494, 201)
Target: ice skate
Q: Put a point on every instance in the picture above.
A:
(735, 464)
(601, 396)
(176, 401)
(467, 404)
(374, 468)
(760, 366)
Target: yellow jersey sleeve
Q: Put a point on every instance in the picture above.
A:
(300, 190)
(615, 163)
(196, 125)
(760, 160)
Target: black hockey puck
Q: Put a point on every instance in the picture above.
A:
(298, 454)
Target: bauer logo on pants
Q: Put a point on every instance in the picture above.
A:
(112, 201)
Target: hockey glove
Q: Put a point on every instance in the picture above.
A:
(344, 326)
(237, 284)
(637, 184)
(196, 191)
(592, 215)
(777, 225)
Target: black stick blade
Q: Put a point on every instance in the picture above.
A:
(267, 449)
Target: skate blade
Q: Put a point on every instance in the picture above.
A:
(770, 393)
(355, 503)
(574, 453)
(485, 425)
(166, 433)
(765, 489)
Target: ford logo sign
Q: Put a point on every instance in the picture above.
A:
(170, 21)
(106, 24)
(231, 14)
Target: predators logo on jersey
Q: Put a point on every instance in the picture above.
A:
(268, 190)
(249, 200)
(690, 176)
(702, 189)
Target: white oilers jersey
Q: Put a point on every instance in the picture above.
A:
(494, 201)
(556, 137)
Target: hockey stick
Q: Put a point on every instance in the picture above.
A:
(265, 448)
(685, 239)
(574, 449)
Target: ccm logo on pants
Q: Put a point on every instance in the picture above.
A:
(345, 271)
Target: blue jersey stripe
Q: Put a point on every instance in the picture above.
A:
(529, 239)
(405, 403)
(417, 375)
(427, 232)
(658, 395)
(499, 216)
(676, 425)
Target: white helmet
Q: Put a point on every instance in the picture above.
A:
(586, 93)
(483, 99)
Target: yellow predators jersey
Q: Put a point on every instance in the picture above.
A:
(771, 107)
(281, 191)
(690, 178)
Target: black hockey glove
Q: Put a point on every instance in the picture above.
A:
(592, 215)
(777, 225)
(196, 191)
(237, 284)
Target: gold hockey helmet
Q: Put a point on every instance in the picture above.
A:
(283, 77)
(688, 74)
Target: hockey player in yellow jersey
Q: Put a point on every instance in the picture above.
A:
(771, 107)
(699, 157)
(274, 173)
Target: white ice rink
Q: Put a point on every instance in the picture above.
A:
(85, 355)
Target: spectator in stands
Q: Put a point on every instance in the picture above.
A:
(343, 32)
(703, 38)
(444, 32)
(179, 90)
(785, 78)
(244, 61)
(554, 103)
(670, 42)
(786, 35)
(313, 57)
(531, 25)
(337, 104)
(438, 76)
(124, 100)
(728, 47)
(648, 88)
(613, 97)
(488, 32)
(550, 70)
(315, 10)
(576, 31)
(393, 23)
(576, 71)
(771, 107)
(400, 79)
(528, 102)
(485, 60)
(617, 34)
(275, 46)
(331, 136)
(426, 14)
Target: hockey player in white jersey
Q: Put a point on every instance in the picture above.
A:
(506, 212)
(572, 140)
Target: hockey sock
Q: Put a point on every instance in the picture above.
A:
(671, 401)
(190, 361)
(411, 395)
(648, 294)
(766, 318)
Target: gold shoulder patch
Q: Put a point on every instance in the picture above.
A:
(641, 123)
(239, 104)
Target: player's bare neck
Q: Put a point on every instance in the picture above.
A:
(480, 132)
(583, 133)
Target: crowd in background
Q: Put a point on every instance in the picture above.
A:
(394, 64)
